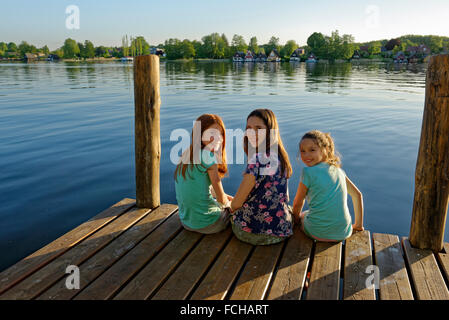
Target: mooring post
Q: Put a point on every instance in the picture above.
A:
(147, 104)
(432, 168)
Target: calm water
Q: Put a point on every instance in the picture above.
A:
(67, 134)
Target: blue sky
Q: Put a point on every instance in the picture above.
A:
(105, 22)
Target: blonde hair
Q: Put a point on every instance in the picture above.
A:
(325, 142)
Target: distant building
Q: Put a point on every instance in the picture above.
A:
(274, 56)
(296, 55)
(30, 57)
(356, 54)
(422, 49)
(249, 57)
(260, 57)
(157, 51)
(238, 56)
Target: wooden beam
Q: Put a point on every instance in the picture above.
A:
(147, 103)
(432, 168)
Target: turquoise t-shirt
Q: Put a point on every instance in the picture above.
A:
(197, 207)
(327, 194)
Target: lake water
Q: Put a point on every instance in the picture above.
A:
(67, 134)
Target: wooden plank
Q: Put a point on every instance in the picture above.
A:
(183, 280)
(290, 277)
(43, 256)
(394, 282)
(255, 278)
(219, 279)
(148, 280)
(325, 273)
(52, 272)
(443, 258)
(358, 258)
(426, 276)
(107, 285)
(102, 260)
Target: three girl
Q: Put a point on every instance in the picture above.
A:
(259, 209)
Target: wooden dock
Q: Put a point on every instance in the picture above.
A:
(130, 253)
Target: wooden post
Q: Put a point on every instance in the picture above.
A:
(147, 104)
(432, 168)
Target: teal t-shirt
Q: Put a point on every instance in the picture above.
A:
(197, 207)
(327, 194)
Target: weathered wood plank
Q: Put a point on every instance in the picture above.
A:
(145, 283)
(102, 260)
(55, 270)
(325, 273)
(357, 259)
(290, 277)
(219, 279)
(443, 258)
(255, 278)
(43, 256)
(108, 284)
(426, 276)
(183, 280)
(394, 282)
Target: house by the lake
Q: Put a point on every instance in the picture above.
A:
(296, 55)
(356, 55)
(238, 56)
(260, 57)
(400, 58)
(421, 50)
(274, 56)
(30, 57)
(249, 57)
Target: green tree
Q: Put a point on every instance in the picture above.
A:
(89, 49)
(12, 47)
(317, 44)
(253, 45)
(238, 44)
(45, 50)
(187, 50)
(375, 48)
(23, 48)
(70, 48)
(142, 47)
(214, 46)
(273, 44)
(3, 49)
(289, 48)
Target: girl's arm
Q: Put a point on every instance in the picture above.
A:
(215, 180)
(247, 184)
(298, 203)
(357, 201)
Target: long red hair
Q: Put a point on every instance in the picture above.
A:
(206, 121)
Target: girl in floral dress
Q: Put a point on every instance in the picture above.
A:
(260, 212)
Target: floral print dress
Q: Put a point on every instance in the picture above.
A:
(266, 210)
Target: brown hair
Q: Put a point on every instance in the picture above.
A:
(325, 142)
(269, 119)
(206, 121)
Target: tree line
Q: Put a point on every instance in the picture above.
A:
(217, 46)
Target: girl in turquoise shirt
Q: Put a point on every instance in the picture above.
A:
(325, 187)
(203, 204)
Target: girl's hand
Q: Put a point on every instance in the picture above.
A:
(357, 228)
(229, 197)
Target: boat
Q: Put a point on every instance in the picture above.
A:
(126, 59)
(311, 59)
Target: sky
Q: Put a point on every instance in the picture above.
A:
(105, 22)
